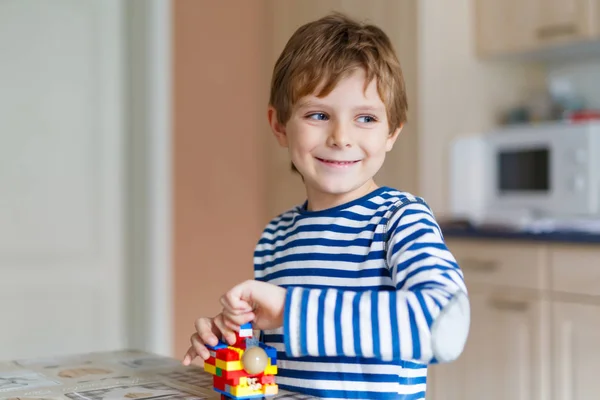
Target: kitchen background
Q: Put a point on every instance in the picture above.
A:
(137, 171)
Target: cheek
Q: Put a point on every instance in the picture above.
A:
(376, 148)
(304, 141)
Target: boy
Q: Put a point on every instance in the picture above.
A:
(356, 287)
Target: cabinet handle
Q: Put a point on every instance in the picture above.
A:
(477, 265)
(552, 31)
(509, 305)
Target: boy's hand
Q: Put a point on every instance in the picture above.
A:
(254, 301)
(208, 332)
(251, 301)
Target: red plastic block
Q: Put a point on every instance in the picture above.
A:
(228, 355)
(230, 381)
(210, 360)
(219, 383)
(265, 379)
(234, 374)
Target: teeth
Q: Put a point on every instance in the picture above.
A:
(339, 162)
(336, 162)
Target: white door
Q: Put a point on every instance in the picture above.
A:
(62, 194)
(576, 353)
(503, 357)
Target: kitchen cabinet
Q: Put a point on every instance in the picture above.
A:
(506, 350)
(503, 26)
(504, 357)
(575, 350)
(575, 271)
(535, 318)
(492, 264)
(575, 275)
(595, 11)
(562, 21)
(516, 26)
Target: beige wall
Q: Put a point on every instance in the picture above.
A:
(458, 94)
(219, 123)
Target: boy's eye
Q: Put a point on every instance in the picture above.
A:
(366, 118)
(318, 116)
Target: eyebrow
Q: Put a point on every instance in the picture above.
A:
(309, 103)
(370, 108)
(363, 108)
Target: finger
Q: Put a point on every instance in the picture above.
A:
(235, 321)
(228, 333)
(235, 311)
(189, 356)
(207, 331)
(232, 301)
(231, 325)
(199, 347)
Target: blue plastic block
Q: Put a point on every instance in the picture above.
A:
(271, 352)
(220, 345)
(229, 395)
(247, 325)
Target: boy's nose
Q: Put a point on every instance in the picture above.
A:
(339, 137)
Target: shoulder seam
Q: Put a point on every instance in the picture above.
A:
(397, 206)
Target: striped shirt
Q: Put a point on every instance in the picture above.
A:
(373, 297)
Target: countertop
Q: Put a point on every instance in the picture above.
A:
(496, 233)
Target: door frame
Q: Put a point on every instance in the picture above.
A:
(149, 183)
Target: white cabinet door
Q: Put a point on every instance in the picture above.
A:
(576, 351)
(563, 21)
(503, 357)
(448, 381)
(503, 26)
(61, 177)
(506, 357)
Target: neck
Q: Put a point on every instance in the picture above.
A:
(318, 200)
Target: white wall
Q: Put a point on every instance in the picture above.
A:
(150, 299)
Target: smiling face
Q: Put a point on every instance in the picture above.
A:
(337, 142)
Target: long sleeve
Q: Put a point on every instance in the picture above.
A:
(425, 319)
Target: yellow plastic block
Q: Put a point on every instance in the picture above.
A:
(239, 351)
(229, 365)
(271, 370)
(250, 387)
(270, 389)
(211, 369)
(244, 391)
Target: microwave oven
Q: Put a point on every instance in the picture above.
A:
(518, 174)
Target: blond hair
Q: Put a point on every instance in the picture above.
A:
(322, 52)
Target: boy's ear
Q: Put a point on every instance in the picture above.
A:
(277, 128)
(392, 138)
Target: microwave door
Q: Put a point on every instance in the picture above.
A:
(523, 181)
(524, 171)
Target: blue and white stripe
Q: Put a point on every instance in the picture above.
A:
(366, 283)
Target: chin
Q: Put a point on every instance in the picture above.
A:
(338, 187)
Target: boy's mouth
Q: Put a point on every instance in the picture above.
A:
(340, 163)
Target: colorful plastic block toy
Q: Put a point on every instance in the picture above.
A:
(245, 370)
